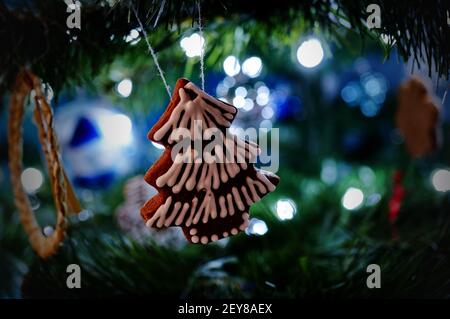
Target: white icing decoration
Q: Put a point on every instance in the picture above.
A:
(237, 198)
(194, 239)
(160, 212)
(176, 208)
(230, 204)
(188, 110)
(223, 209)
(247, 198)
(181, 216)
(210, 206)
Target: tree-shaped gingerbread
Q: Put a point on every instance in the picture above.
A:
(208, 189)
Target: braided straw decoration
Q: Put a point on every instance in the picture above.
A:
(42, 245)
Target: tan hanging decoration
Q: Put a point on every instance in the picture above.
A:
(64, 197)
(417, 117)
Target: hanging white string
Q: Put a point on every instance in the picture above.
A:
(152, 52)
(202, 47)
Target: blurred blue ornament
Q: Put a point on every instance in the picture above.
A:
(97, 142)
(369, 93)
(85, 132)
(351, 93)
(369, 108)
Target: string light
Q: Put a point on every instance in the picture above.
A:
(267, 112)
(252, 67)
(256, 227)
(125, 87)
(329, 172)
(239, 101)
(133, 37)
(353, 198)
(193, 45)
(440, 179)
(285, 209)
(231, 66)
(373, 199)
(241, 91)
(48, 231)
(249, 104)
(84, 215)
(310, 53)
(32, 179)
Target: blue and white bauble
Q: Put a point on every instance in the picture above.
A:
(96, 142)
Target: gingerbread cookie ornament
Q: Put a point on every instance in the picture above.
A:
(205, 178)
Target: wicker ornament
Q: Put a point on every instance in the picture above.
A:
(64, 197)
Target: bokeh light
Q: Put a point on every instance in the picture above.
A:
(32, 179)
(193, 45)
(125, 87)
(252, 67)
(133, 38)
(440, 179)
(310, 53)
(256, 227)
(353, 198)
(285, 209)
(231, 66)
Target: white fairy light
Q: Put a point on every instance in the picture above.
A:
(229, 81)
(241, 91)
(249, 104)
(329, 172)
(256, 227)
(221, 89)
(48, 231)
(239, 101)
(373, 199)
(310, 53)
(285, 209)
(267, 124)
(133, 37)
(125, 87)
(252, 67)
(440, 179)
(32, 179)
(193, 45)
(231, 66)
(267, 112)
(84, 215)
(353, 198)
(263, 90)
